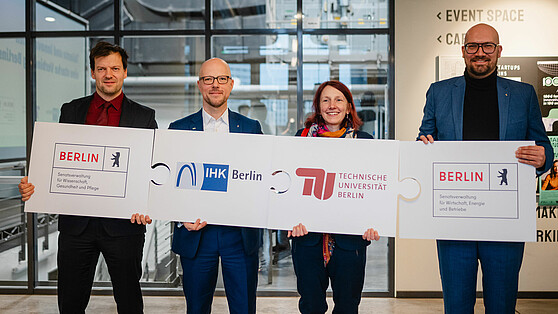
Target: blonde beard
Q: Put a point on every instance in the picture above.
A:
(214, 104)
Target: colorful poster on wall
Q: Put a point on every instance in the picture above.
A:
(542, 73)
(548, 182)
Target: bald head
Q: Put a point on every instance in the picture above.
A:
(485, 32)
(216, 93)
(484, 61)
(215, 67)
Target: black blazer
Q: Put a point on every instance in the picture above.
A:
(344, 241)
(133, 115)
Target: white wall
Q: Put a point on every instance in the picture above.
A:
(417, 29)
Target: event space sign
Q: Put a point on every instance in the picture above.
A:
(471, 191)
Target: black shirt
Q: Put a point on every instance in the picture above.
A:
(480, 109)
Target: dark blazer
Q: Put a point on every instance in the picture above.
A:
(184, 242)
(133, 115)
(344, 241)
(518, 107)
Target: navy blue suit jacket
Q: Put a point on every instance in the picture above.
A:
(520, 116)
(184, 242)
(344, 241)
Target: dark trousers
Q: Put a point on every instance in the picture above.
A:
(345, 269)
(240, 272)
(77, 259)
(500, 263)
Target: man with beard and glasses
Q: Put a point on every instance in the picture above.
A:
(480, 106)
(200, 245)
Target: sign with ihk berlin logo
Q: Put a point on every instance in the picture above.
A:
(220, 178)
(202, 176)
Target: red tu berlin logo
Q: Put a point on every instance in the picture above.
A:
(315, 180)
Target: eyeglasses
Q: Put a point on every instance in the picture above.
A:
(488, 48)
(221, 79)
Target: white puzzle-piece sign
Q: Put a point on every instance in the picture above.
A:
(220, 178)
(470, 191)
(90, 171)
(338, 186)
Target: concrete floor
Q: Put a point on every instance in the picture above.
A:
(30, 304)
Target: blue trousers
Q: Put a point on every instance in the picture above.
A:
(500, 263)
(240, 272)
(345, 269)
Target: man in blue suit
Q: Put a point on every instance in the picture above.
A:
(200, 245)
(482, 106)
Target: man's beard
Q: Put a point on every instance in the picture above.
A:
(483, 70)
(215, 103)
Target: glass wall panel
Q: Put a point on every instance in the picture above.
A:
(163, 14)
(13, 235)
(62, 74)
(345, 14)
(264, 70)
(61, 15)
(254, 14)
(13, 238)
(12, 98)
(361, 63)
(162, 74)
(12, 16)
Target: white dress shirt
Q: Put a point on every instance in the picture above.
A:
(220, 125)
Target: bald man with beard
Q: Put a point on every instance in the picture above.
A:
(488, 108)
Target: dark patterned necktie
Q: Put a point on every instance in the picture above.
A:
(103, 116)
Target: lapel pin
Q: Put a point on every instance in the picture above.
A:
(195, 127)
(506, 94)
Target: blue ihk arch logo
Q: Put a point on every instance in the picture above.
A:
(202, 176)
